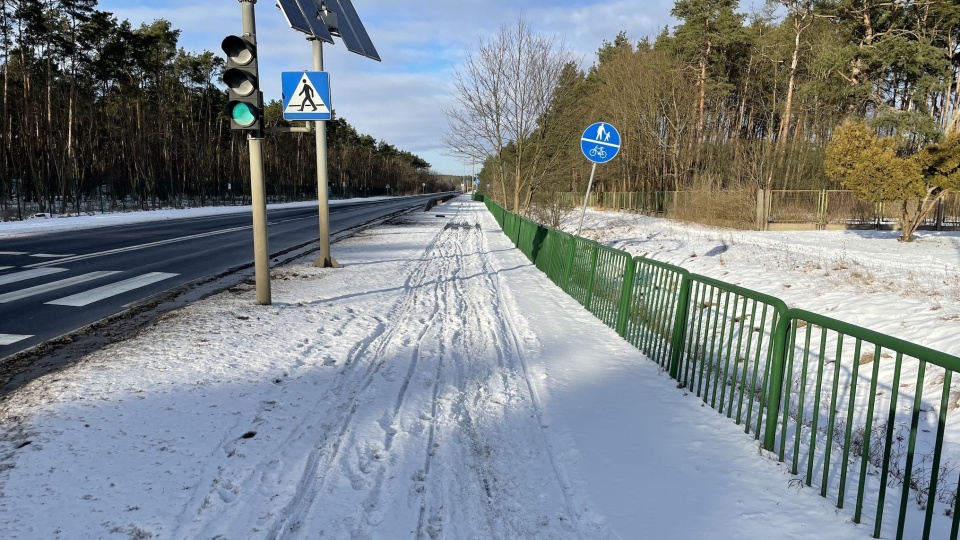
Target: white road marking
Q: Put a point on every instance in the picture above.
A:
(73, 258)
(50, 255)
(40, 289)
(106, 291)
(10, 339)
(5, 267)
(13, 252)
(28, 274)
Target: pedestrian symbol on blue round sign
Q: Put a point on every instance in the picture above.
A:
(600, 142)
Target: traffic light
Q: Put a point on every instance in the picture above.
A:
(244, 99)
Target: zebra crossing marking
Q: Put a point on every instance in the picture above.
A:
(10, 339)
(47, 287)
(28, 274)
(113, 289)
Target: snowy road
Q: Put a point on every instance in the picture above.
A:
(435, 386)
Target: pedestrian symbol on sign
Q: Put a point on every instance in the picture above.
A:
(308, 90)
(602, 133)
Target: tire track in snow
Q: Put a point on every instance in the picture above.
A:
(225, 481)
(516, 348)
(469, 380)
(320, 467)
(232, 479)
(391, 425)
(422, 343)
(494, 328)
(422, 340)
(445, 448)
(427, 523)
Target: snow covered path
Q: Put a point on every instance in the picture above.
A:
(436, 386)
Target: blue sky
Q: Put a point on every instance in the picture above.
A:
(401, 99)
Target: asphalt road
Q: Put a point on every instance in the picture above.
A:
(53, 285)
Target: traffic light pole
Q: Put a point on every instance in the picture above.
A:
(261, 250)
(325, 260)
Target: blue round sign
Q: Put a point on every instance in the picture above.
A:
(600, 142)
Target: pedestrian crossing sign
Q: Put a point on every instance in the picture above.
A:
(306, 95)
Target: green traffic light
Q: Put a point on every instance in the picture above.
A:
(243, 114)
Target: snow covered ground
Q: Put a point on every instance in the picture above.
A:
(438, 386)
(907, 290)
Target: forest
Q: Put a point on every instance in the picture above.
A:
(721, 102)
(96, 114)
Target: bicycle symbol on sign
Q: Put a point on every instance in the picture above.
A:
(598, 151)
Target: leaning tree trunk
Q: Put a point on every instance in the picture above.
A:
(907, 226)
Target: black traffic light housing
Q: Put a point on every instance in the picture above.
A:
(244, 98)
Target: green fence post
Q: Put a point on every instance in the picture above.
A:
(775, 384)
(824, 204)
(593, 276)
(679, 325)
(629, 271)
(569, 268)
(540, 238)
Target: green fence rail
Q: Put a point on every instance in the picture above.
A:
(864, 416)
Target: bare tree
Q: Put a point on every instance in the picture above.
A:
(502, 92)
(801, 11)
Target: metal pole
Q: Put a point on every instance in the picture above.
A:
(261, 250)
(587, 197)
(258, 192)
(324, 260)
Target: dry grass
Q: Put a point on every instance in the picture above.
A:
(734, 208)
(862, 277)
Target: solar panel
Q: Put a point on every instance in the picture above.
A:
(304, 21)
(352, 32)
(342, 20)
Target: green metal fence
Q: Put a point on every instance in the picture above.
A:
(730, 349)
(865, 416)
(655, 314)
(846, 407)
(552, 254)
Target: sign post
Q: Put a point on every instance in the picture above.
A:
(599, 143)
(321, 20)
